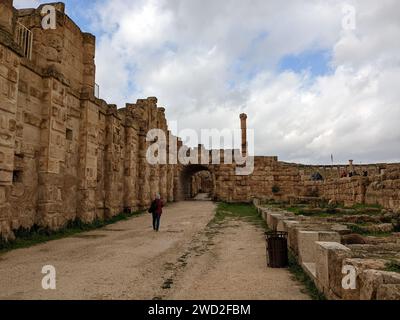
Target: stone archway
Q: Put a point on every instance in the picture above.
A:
(186, 180)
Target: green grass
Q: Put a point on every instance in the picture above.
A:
(393, 266)
(366, 206)
(36, 235)
(359, 230)
(328, 211)
(243, 211)
(304, 212)
(295, 210)
(300, 275)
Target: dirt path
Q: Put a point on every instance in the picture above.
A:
(186, 260)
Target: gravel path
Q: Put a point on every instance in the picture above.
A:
(188, 259)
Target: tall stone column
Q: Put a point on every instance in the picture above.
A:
(163, 181)
(144, 172)
(88, 161)
(351, 166)
(154, 123)
(243, 126)
(53, 149)
(89, 68)
(9, 77)
(179, 193)
(163, 170)
(170, 183)
(131, 164)
(8, 109)
(112, 163)
(170, 170)
(172, 166)
(177, 184)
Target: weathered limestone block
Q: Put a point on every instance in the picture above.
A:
(281, 227)
(264, 212)
(307, 243)
(384, 227)
(6, 231)
(9, 75)
(341, 229)
(328, 266)
(388, 292)
(372, 280)
(360, 266)
(307, 246)
(269, 215)
(88, 43)
(6, 17)
(288, 223)
(130, 166)
(274, 220)
(163, 181)
(170, 186)
(292, 230)
(88, 162)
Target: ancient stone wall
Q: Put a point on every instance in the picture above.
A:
(66, 155)
(281, 181)
(384, 189)
(381, 187)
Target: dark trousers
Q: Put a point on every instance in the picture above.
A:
(156, 221)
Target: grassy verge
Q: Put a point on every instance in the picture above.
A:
(300, 275)
(325, 210)
(309, 213)
(249, 213)
(36, 235)
(243, 211)
(393, 266)
(359, 230)
(366, 206)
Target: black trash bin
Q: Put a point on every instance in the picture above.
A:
(277, 251)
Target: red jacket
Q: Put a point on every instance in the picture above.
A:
(159, 206)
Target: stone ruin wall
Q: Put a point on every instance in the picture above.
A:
(382, 186)
(202, 182)
(66, 155)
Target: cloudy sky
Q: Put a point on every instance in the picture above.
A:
(313, 80)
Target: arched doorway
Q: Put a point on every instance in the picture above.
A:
(197, 179)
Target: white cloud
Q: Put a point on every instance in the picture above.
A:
(26, 3)
(346, 114)
(207, 61)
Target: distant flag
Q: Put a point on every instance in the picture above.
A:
(332, 158)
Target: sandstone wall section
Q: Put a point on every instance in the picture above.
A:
(67, 155)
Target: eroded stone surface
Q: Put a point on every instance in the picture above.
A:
(65, 155)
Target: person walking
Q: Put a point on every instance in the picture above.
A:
(156, 211)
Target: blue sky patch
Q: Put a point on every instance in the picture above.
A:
(316, 62)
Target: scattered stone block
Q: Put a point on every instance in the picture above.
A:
(372, 280)
(328, 268)
(388, 292)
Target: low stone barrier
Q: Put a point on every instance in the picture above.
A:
(316, 244)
